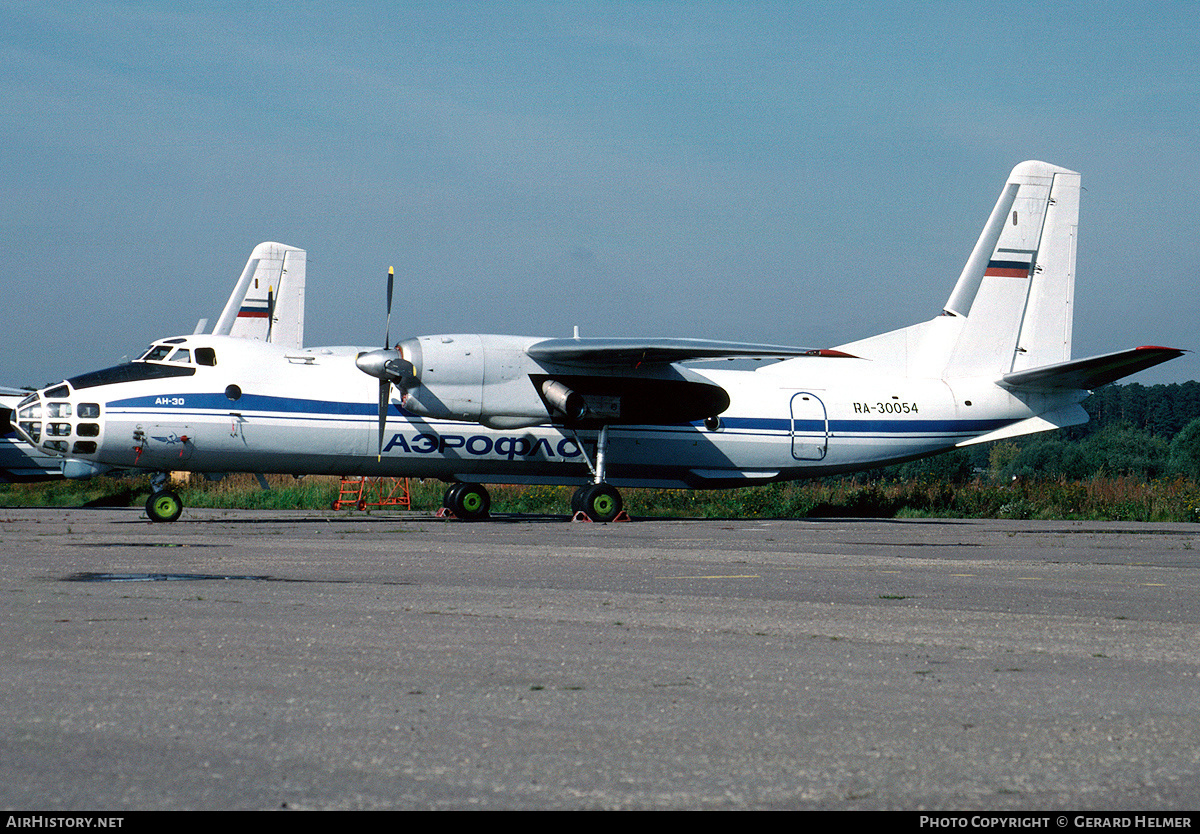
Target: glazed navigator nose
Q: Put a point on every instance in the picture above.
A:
(57, 422)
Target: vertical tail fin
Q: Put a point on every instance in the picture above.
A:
(273, 278)
(1011, 308)
(1016, 292)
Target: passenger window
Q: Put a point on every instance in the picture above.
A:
(206, 356)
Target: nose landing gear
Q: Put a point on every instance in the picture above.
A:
(163, 504)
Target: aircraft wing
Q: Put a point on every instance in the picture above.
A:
(621, 352)
(1092, 372)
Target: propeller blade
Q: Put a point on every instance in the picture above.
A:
(385, 364)
(387, 337)
(385, 391)
(270, 310)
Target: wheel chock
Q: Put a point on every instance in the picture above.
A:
(580, 515)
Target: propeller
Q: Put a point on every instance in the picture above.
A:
(270, 311)
(387, 333)
(387, 365)
(385, 384)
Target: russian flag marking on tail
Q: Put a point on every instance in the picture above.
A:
(253, 309)
(1010, 263)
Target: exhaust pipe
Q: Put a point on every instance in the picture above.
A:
(564, 400)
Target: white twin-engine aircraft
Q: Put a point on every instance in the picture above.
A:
(603, 413)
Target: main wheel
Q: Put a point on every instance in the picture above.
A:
(601, 502)
(449, 496)
(469, 501)
(164, 506)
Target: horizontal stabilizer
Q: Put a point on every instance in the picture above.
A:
(618, 352)
(1090, 373)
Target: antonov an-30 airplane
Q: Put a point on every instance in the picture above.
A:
(606, 413)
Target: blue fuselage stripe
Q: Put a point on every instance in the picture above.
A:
(266, 407)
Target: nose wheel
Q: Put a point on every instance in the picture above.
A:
(164, 505)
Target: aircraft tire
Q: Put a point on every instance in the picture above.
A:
(470, 501)
(449, 495)
(164, 505)
(601, 502)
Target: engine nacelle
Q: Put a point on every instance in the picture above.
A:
(474, 377)
(492, 380)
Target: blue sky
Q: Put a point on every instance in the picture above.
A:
(776, 172)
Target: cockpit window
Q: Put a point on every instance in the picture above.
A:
(182, 355)
(206, 356)
(132, 372)
(156, 353)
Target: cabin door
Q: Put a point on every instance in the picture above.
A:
(810, 427)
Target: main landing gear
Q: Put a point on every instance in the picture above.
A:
(467, 501)
(163, 504)
(597, 501)
(471, 502)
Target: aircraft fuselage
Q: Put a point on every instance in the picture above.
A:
(256, 407)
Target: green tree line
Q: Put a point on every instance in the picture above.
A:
(1139, 431)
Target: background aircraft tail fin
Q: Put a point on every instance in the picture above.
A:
(267, 303)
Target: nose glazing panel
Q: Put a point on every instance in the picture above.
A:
(51, 420)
